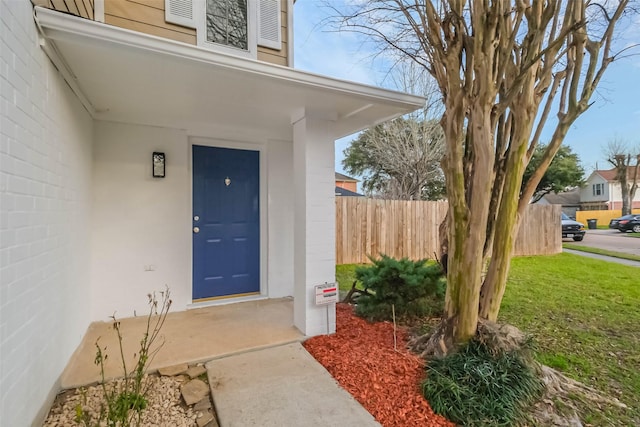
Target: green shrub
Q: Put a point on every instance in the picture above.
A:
(413, 288)
(475, 387)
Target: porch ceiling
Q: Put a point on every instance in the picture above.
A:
(125, 76)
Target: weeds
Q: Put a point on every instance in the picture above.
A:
(124, 401)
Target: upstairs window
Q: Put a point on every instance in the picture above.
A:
(227, 23)
(232, 26)
(598, 189)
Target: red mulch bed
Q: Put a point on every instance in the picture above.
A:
(361, 357)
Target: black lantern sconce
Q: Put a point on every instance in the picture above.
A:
(158, 165)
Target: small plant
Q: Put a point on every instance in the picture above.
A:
(481, 387)
(412, 288)
(124, 400)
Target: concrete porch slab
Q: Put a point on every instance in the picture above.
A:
(281, 386)
(190, 336)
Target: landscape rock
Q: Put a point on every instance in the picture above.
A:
(194, 391)
(164, 406)
(171, 371)
(196, 371)
(203, 405)
(204, 418)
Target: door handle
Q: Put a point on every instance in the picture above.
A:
(196, 230)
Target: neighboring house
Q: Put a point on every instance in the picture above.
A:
(603, 192)
(344, 192)
(346, 182)
(569, 200)
(142, 148)
(346, 186)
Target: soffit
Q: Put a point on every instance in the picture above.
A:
(136, 78)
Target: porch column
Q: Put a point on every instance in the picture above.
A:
(314, 220)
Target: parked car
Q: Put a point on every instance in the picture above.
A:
(573, 229)
(614, 222)
(626, 223)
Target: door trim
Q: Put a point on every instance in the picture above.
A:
(264, 244)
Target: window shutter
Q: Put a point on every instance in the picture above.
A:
(179, 12)
(269, 24)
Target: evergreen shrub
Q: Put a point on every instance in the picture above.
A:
(412, 288)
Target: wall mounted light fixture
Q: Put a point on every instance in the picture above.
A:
(158, 164)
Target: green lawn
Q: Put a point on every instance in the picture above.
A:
(584, 315)
(345, 275)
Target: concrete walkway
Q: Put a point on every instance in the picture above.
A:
(260, 375)
(603, 257)
(190, 336)
(281, 386)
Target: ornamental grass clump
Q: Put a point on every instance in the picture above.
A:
(478, 386)
(409, 288)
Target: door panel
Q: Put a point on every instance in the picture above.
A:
(226, 250)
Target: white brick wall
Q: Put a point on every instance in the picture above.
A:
(314, 223)
(45, 179)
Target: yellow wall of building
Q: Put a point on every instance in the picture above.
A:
(603, 217)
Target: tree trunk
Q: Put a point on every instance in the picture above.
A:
(624, 189)
(634, 182)
(504, 233)
(467, 234)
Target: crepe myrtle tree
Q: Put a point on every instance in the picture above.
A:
(503, 68)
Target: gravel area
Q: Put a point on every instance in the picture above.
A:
(165, 405)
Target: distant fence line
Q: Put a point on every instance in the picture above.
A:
(401, 228)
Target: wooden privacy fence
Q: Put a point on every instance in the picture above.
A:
(540, 231)
(401, 228)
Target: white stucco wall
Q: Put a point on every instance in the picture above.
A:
(45, 190)
(280, 217)
(138, 221)
(616, 193)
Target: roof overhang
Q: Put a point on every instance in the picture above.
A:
(130, 77)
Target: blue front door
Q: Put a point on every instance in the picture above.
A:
(226, 222)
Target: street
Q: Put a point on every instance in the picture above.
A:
(611, 240)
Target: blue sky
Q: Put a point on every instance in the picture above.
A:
(615, 113)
